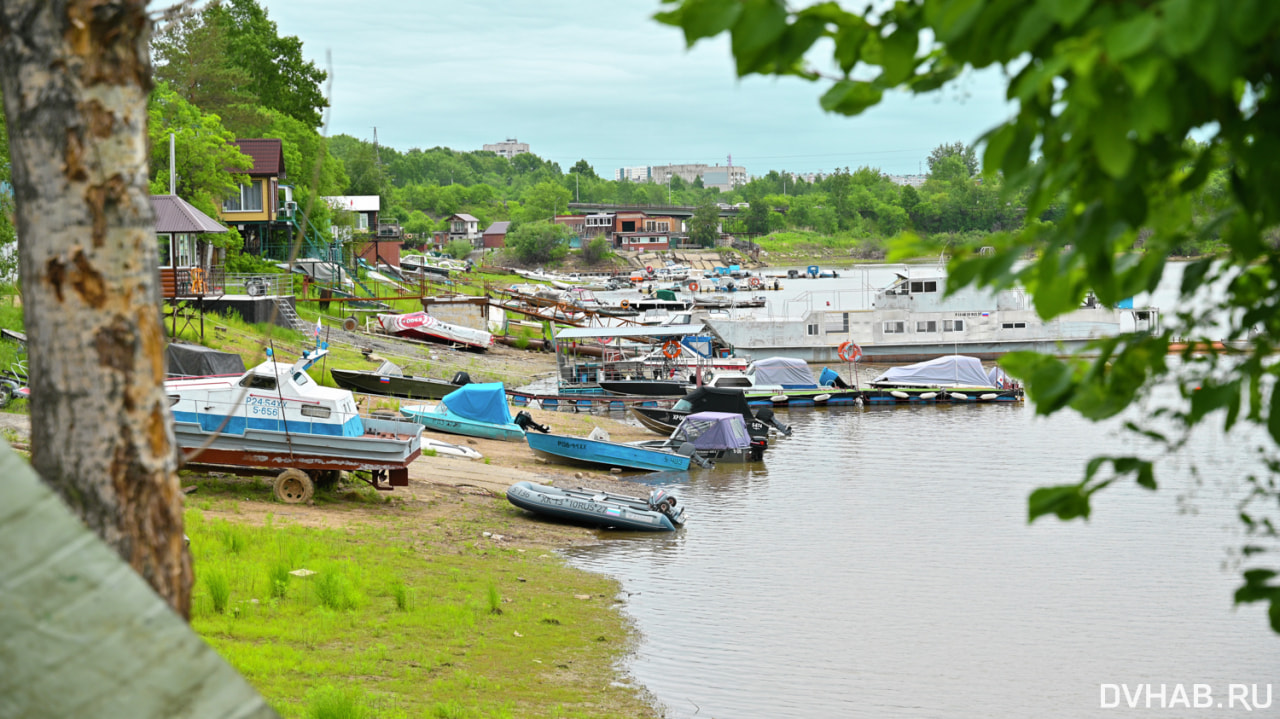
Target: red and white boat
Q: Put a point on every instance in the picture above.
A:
(422, 326)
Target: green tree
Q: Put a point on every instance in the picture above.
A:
(458, 249)
(585, 170)
(537, 242)
(965, 154)
(595, 251)
(704, 226)
(545, 200)
(191, 57)
(1108, 94)
(283, 79)
(205, 159)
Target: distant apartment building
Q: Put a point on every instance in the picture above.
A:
(634, 174)
(908, 180)
(508, 149)
(726, 178)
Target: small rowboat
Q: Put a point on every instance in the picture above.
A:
(659, 512)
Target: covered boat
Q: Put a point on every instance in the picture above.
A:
(476, 410)
(185, 360)
(710, 399)
(422, 326)
(601, 452)
(661, 511)
(950, 378)
(390, 381)
(783, 382)
(717, 436)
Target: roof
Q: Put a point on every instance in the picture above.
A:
(578, 333)
(267, 154)
(174, 214)
(354, 203)
(465, 217)
(497, 228)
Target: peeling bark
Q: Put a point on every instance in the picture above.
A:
(75, 76)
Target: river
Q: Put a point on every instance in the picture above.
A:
(878, 563)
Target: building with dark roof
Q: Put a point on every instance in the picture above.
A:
(495, 235)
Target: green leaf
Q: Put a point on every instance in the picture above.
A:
(1187, 24)
(1032, 28)
(850, 97)
(796, 41)
(1067, 12)
(1111, 144)
(1142, 73)
(1066, 501)
(1256, 587)
(1130, 37)
(1273, 414)
(703, 18)
(849, 41)
(899, 54)
(759, 25)
(951, 18)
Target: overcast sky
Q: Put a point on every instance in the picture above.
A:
(600, 80)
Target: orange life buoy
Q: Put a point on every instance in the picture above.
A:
(755, 283)
(693, 285)
(671, 349)
(625, 304)
(850, 351)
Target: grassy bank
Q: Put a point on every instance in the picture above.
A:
(411, 611)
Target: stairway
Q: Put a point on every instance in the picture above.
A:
(286, 311)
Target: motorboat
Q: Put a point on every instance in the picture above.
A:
(389, 380)
(716, 436)
(950, 378)
(661, 511)
(664, 421)
(475, 410)
(422, 326)
(598, 450)
(782, 382)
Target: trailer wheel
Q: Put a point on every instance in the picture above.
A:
(325, 478)
(293, 486)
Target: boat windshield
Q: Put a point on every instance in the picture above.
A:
(301, 378)
(683, 406)
(258, 381)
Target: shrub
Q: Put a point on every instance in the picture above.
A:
(219, 590)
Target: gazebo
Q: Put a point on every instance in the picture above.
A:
(189, 266)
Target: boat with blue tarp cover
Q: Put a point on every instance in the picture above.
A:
(661, 511)
(478, 409)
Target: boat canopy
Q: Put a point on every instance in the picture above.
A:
(699, 345)
(713, 430)
(715, 399)
(186, 360)
(782, 371)
(945, 371)
(389, 369)
(480, 401)
(584, 333)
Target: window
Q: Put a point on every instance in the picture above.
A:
(929, 326)
(315, 410)
(165, 245)
(300, 378)
(1013, 325)
(362, 221)
(953, 325)
(259, 381)
(655, 226)
(247, 199)
(895, 328)
(811, 330)
(186, 250)
(924, 286)
(837, 322)
(731, 382)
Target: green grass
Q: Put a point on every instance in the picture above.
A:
(399, 618)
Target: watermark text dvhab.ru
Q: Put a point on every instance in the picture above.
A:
(1244, 697)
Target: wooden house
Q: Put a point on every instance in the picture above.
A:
(495, 235)
(189, 264)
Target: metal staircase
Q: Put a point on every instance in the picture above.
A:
(286, 311)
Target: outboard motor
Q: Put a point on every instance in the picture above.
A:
(461, 378)
(524, 421)
(765, 414)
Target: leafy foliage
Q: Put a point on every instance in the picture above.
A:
(704, 226)
(595, 251)
(535, 242)
(965, 154)
(1108, 95)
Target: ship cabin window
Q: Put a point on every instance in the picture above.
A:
(930, 326)
(1013, 325)
(919, 286)
(259, 381)
(315, 410)
(811, 330)
(895, 328)
(731, 382)
(837, 322)
(300, 378)
(953, 325)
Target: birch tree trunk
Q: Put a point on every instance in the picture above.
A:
(75, 76)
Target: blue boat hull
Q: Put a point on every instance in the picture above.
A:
(606, 454)
(595, 508)
(447, 421)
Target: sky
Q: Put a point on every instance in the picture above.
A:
(600, 80)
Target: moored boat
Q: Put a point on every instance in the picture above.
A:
(709, 399)
(783, 382)
(716, 436)
(661, 511)
(951, 378)
(474, 410)
(606, 453)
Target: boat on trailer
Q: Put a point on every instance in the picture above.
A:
(276, 416)
(661, 511)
